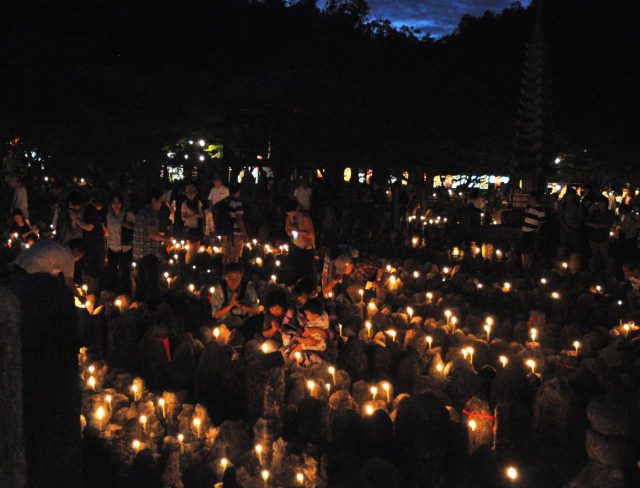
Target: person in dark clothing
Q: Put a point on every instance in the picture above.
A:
(92, 221)
(599, 224)
(21, 229)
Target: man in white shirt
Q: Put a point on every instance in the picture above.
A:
(50, 257)
(302, 195)
(19, 200)
(219, 192)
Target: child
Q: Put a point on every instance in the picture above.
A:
(314, 336)
(21, 229)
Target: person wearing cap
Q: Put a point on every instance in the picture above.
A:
(20, 198)
(92, 222)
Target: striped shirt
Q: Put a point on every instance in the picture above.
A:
(533, 218)
(142, 245)
(235, 210)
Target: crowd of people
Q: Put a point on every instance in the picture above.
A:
(120, 243)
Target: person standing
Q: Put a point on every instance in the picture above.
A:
(191, 213)
(299, 226)
(599, 224)
(119, 243)
(91, 220)
(146, 249)
(218, 192)
(571, 218)
(302, 195)
(20, 198)
(234, 233)
(534, 215)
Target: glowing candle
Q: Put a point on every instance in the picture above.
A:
(415, 241)
(577, 345)
(119, 304)
(429, 296)
(543, 281)
(143, 421)
(625, 327)
(274, 278)
(108, 399)
(503, 360)
(416, 274)
(327, 387)
(454, 321)
(532, 364)
(278, 263)
(512, 473)
(161, 404)
(197, 423)
(447, 313)
(487, 329)
(258, 448)
(298, 357)
(332, 372)
(368, 326)
(374, 392)
(555, 295)
(445, 270)
(439, 367)
(136, 445)
(192, 287)
(369, 410)
(224, 462)
(181, 441)
(340, 330)
(472, 425)
(387, 387)
(506, 287)
(135, 389)
(565, 265)
(265, 348)
(216, 333)
(361, 293)
(409, 312)
(392, 333)
(99, 416)
(85, 288)
(533, 333)
(311, 386)
(91, 369)
(265, 473)
(480, 286)
(91, 382)
(471, 350)
(429, 340)
(300, 478)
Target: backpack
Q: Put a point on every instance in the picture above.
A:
(222, 218)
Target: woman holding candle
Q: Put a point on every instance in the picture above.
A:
(191, 213)
(119, 245)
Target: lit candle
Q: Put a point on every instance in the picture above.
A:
(392, 333)
(311, 386)
(327, 387)
(274, 278)
(429, 297)
(512, 473)
(503, 360)
(108, 399)
(265, 348)
(543, 281)
(197, 423)
(300, 478)
(332, 372)
(369, 410)
(119, 304)
(416, 274)
(445, 270)
(487, 329)
(192, 288)
(472, 425)
(161, 404)
(265, 473)
(298, 357)
(429, 340)
(91, 382)
(506, 287)
(387, 387)
(340, 330)
(367, 324)
(143, 421)
(415, 241)
(565, 265)
(135, 389)
(181, 441)
(533, 333)
(577, 345)
(99, 416)
(136, 445)
(216, 333)
(258, 448)
(91, 369)
(224, 462)
(374, 392)
(532, 364)
(361, 293)
(471, 350)
(259, 262)
(555, 295)
(409, 312)
(454, 321)
(625, 327)
(447, 313)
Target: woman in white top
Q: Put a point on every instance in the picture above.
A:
(191, 212)
(119, 243)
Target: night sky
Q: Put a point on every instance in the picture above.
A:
(438, 17)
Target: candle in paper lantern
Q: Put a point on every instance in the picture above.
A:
(265, 473)
(136, 445)
(332, 372)
(143, 421)
(374, 392)
(576, 345)
(300, 478)
(311, 386)
(258, 448)
(197, 423)
(99, 416)
(386, 386)
(392, 333)
(531, 364)
(429, 340)
(367, 324)
(161, 404)
(369, 410)
(503, 360)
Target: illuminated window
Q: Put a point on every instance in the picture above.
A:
(347, 175)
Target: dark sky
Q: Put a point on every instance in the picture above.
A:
(439, 17)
